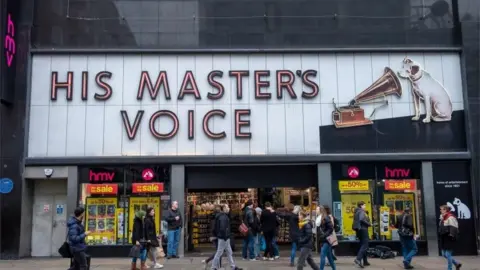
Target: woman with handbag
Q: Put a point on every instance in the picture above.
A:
(336, 227)
(325, 236)
(153, 245)
(139, 249)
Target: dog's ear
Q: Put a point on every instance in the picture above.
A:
(407, 60)
(414, 69)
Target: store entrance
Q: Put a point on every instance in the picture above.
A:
(207, 187)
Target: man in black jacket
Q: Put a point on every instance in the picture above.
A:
(222, 232)
(249, 240)
(175, 224)
(406, 231)
(361, 223)
(305, 242)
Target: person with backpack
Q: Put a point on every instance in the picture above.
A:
(406, 231)
(305, 242)
(294, 231)
(448, 234)
(361, 223)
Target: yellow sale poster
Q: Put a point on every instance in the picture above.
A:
(101, 221)
(396, 203)
(349, 203)
(142, 203)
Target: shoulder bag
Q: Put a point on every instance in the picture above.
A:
(64, 250)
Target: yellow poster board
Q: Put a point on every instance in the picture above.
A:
(142, 203)
(101, 221)
(349, 203)
(396, 203)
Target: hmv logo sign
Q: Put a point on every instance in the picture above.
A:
(397, 173)
(101, 176)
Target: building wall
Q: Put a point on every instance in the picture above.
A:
(62, 123)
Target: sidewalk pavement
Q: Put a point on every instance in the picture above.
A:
(194, 263)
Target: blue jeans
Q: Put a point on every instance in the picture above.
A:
(173, 239)
(143, 255)
(293, 252)
(451, 261)
(248, 243)
(326, 251)
(409, 249)
(275, 247)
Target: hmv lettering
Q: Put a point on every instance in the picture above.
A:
(397, 173)
(101, 176)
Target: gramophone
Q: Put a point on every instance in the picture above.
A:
(352, 115)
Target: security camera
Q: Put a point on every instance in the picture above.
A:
(48, 172)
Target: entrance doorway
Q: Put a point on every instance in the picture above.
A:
(49, 217)
(282, 186)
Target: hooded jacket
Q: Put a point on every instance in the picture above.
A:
(305, 239)
(448, 231)
(138, 231)
(360, 220)
(292, 220)
(76, 235)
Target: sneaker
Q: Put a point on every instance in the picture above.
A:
(271, 259)
(244, 259)
(158, 266)
(458, 266)
(358, 263)
(277, 257)
(366, 264)
(253, 260)
(264, 258)
(292, 264)
(204, 261)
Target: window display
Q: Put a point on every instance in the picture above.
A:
(111, 196)
(386, 193)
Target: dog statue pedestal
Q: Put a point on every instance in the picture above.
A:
(350, 116)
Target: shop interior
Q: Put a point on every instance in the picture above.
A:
(201, 203)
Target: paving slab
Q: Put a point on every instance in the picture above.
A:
(194, 263)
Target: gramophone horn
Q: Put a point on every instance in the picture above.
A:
(386, 85)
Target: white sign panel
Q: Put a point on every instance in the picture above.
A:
(222, 104)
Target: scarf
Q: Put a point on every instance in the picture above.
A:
(302, 223)
(447, 215)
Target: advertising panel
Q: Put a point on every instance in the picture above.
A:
(353, 185)
(349, 204)
(396, 203)
(142, 203)
(101, 221)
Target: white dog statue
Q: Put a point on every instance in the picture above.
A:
(438, 105)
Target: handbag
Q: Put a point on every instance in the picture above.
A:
(243, 229)
(404, 231)
(64, 250)
(134, 252)
(332, 239)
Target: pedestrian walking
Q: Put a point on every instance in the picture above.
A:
(258, 233)
(269, 225)
(153, 244)
(294, 231)
(139, 240)
(325, 231)
(448, 233)
(76, 239)
(248, 251)
(361, 223)
(175, 224)
(406, 231)
(336, 227)
(222, 232)
(305, 242)
(213, 238)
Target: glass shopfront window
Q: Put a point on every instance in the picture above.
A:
(112, 196)
(386, 189)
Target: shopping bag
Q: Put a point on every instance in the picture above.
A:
(263, 244)
(134, 252)
(332, 239)
(243, 229)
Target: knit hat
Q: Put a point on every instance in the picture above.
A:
(296, 209)
(258, 210)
